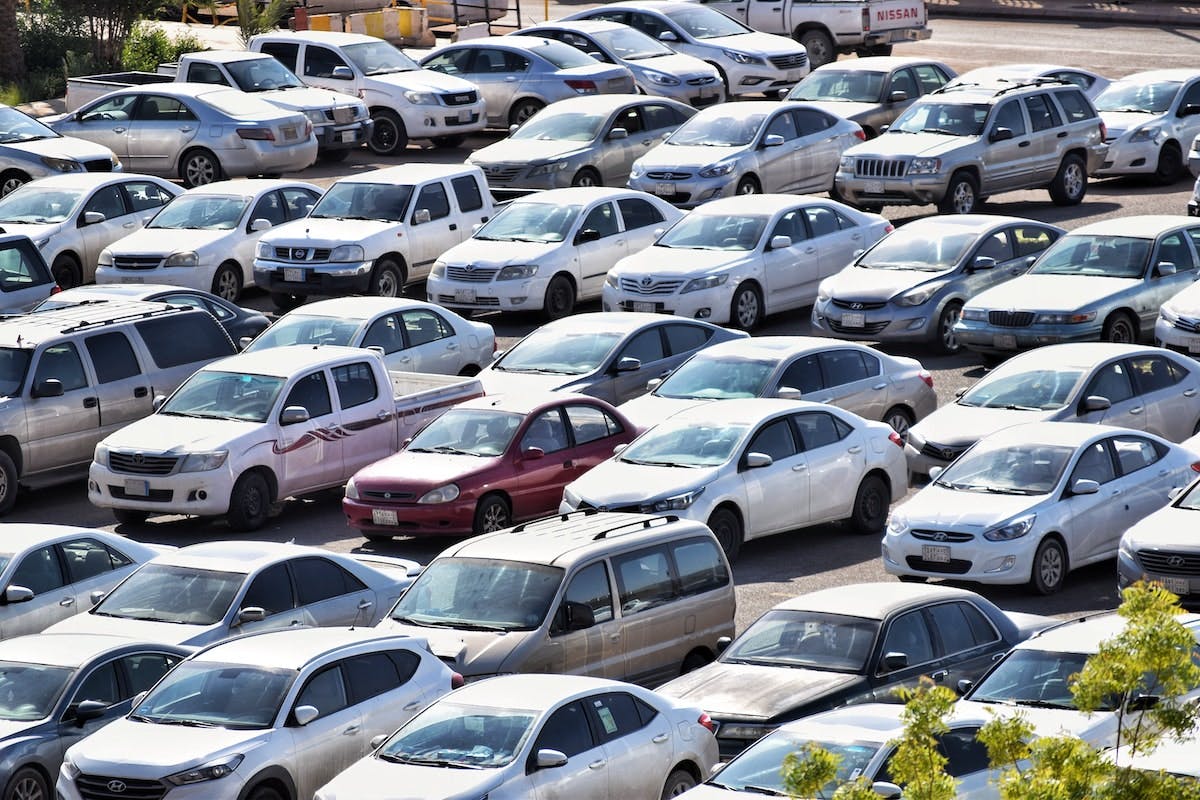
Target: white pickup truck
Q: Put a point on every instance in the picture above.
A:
(249, 431)
(829, 27)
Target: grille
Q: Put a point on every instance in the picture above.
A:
(789, 61)
(946, 536)
(98, 165)
(957, 566)
(1168, 563)
(137, 262)
(880, 167)
(136, 464)
(653, 287)
(668, 176)
(398, 497)
(942, 452)
(1190, 325)
(341, 115)
(469, 274)
(96, 787)
(871, 327)
(1010, 319)
(448, 300)
(460, 98)
(502, 172)
(302, 253)
(153, 496)
(702, 81)
(857, 305)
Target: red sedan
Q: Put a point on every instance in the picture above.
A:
(485, 465)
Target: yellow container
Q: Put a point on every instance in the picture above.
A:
(326, 22)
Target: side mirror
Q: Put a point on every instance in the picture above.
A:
(983, 262)
(658, 232)
(305, 714)
(1084, 486)
(244, 342)
(884, 128)
(620, 448)
(723, 643)
(421, 216)
(293, 414)
(88, 710)
(1096, 403)
(897, 96)
(342, 74)
(377, 741)
(252, 614)
(890, 791)
(1165, 268)
(1190, 110)
(758, 460)
(618, 133)
(97, 596)
(159, 399)
(93, 217)
(1000, 135)
(1174, 492)
(668, 36)
(780, 243)
(549, 759)
(628, 364)
(934, 472)
(895, 661)
(964, 686)
(51, 387)
(788, 393)
(513, 128)
(653, 384)
(1143, 702)
(17, 594)
(533, 453)
(772, 140)
(572, 616)
(587, 235)
(258, 225)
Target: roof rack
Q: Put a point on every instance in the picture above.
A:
(1074, 621)
(63, 321)
(622, 528)
(1016, 83)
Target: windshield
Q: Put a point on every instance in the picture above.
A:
(1026, 390)
(1007, 469)
(40, 207)
(557, 353)
(1189, 500)
(631, 44)
(1033, 678)
(460, 735)
(204, 694)
(850, 86)
(480, 594)
(950, 119)
(685, 443)
(571, 126)
(261, 74)
(14, 361)
(29, 691)
(225, 395)
(705, 23)
(1138, 96)
(1100, 255)
(715, 232)
(717, 130)
(201, 212)
(468, 431)
(529, 222)
(18, 127)
(794, 638)
(378, 57)
(307, 329)
(166, 593)
(758, 770)
(380, 201)
(921, 250)
(716, 378)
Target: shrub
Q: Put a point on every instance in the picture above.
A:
(148, 46)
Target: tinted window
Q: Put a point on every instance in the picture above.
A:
(1029, 241)
(567, 731)
(810, 121)
(466, 191)
(601, 219)
(184, 339)
(964, 753)
(107, 201)
(319, 579)
(453, 62)
(995, 246)
(311, 393)
(424, 327)
(433, 199)
(803, 374)
(658, 117)
(271, 590)
(199, 72)
(818, 429)
(643, 580)
(903, 81)
(775, 439)
(326, 692)
(546, 432)
(699, 566)
(950, 623)
(1042, 113)
(369, 675)
(144, 669)
(1009, 115)
(591, 587)
(319, 62)
(1174, 248)
(685, 338)
(617, 714)
(355, 384)
(20, 267)
(1112, 382)
(645, 346)
(39, 571)
(86, 558)
(822, 221)
(630, 120)
(385, 332)
(112, 356)
(1075, 106)
(270, 208)
(783, 125)
(930, 77)
(792, 226)
(982, 631)
(144, 196)
(1134, 453)
(61, 362)
(846, 366)
(1094, 464)
(285, 52)
(298, 202)
(406, 663)
(589, 423)
(909, 635)
(157, 108)
(100, 685)
(1153, 373)
(638, 213)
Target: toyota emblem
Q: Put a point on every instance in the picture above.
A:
(138, 458)
(469, 267)
(1175, 561)
(856, 306)
(947, 454)
(647, 281)
(387, 495)
(117, 787)
(940, 536)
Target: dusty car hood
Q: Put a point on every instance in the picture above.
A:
(142, 630)
(747, 691)
(891, 145)
(686, 157)
(472, 652)
(940, 508)
(405, 469)
(1052, 292)
(421, 79)
(32, 229)
(490, 253)
(649, 409)
(162, 241)
(1162, 531)
(325, 232)
(957, 425)
(756, 42)
(66, 147)
(677, 64)
(169, 748)
(1118, 122)
(859, 283)
(616, 484)
(171, 435)
(305, 98)
(677, 261)
(526, 151)
(499, 382)
(409, 781)
(1185, 304)
(13, 728)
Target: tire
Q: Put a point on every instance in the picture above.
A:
(560, 298)
(227, 282)
(728, 530)
(746, 307)
(1049, 567)
(1120, 328)
(388, 137)
(27, 784)
(11, 180)
(130, 516)
(388, 279)
(678, 782)
(871, 502)
(378, 537)
(199, 167)
(523, 110)
(1169, 168)
(66, 272)
(265, 793)
(749, 185)
(492, 514)
(1070, 184)
(587, 177)
(286, 302)
(335, 156)
(875, 50)
(728, 93)
(694, 661)
(447, 142)
(249, 502)
(901, 419)
(946, 341)
(469, 371)
(8, 483)
(962, 195)
(819, 46)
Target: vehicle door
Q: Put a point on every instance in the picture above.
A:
(143, 199)
(367, 417)
(647, 588)
(331, 742)
(286, 53)
(821, 147)
(272, 591)
(642, 220)
(1114, 383)
(648, 348)
(853, 380)
(1046, 125)
(115, 222)
(904, 80)
(586, 773)
(967, 641)
(310, 451)
(781, 166)
(597, 650)
(1162, 285)
(792, 272)
(387, 332)
(838, 240)
(1170, 412)
(1091, 521)
(40, 571)
(435, 228)
(762, 15)
(469, 197)
(599, 243)
(640, 742)
(63, 429)
(593, 436)
(658, 121)
(330, 596)
(433, 346)
(1009, 262)
(385, 681)
(615, 153)
(25, 280)
(498, 74)
(90, 566)
(200, 72)
(122, 388)
(908, 634)
(1187, 123)
(319, 65)
(835, 456)
(1144, 482)
(543, 458)
(777, 495)
(106, 122)
(158, 134)
(1007, 163)
(273, 207)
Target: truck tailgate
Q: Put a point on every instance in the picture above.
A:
(888, 15)
(420, 397)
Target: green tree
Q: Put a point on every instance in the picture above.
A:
(255, 17)
(12, 59)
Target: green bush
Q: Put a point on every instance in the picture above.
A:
(148, 46)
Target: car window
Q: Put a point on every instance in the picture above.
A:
(20, 268)
(298, 202)
(547, 432)
(114, 109)
(657, 117)
(196, 301)
(319, 579)
(809, 121)
(982, 631)
(803, 374)
(588, 423)
(1174, 249)
(423, 326)
(87, 558)
(629, 119)
(1028, 240)
(964, 753)
(930, 77)
(466, 191)
(699, 566)
(908, 634)
(184, 339)
(1075, 106)
(902, 81)
(617, 714)
(432, 198)
(646, 346)
(100, 685)
(1134, 453)
(312, 394)
(453, 62)
(1094, 464)
(39, 571)
(157, 108)
(144, 196)
(270, 208)
(784, 125)
(1008, 115)
(286, 52)
(567, 731)
(319, 62)
(385, 332)
(996, 246)
(61, 362)
(142, 670)
(325, 691)
(108, 201)
(112, 356)
(951, 625)
(601, 219)
(644, 580)
(406, 663)
(819, 429)
(1154, 373)
(199, 72)
(271, 590)
(638, 213)
(684, 338)
(369, 675)
(1111, 382)
(792, 226)
(1043, 115)
(591, 587)
(822, 221)
(774, 439)
(846, 366)
(1191, 97)
(355, 384)
(647, 23)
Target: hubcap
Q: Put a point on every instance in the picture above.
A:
(585, 179)
(964, 198)
(747, 188)
(227, 287)
(1073, 180)
(872, 503)
(387, 284)
(254, 503)
(1051, 567)
(494, 518)
(899, 424)
(1121, 333)
(747, 308)
(12, 184)
(524, 113)
(200, 170)
(949, 338)
(385, 136)
(679, 788)
(28, 789)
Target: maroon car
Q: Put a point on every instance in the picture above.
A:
(484, 465)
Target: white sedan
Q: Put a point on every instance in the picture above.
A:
(548, 251)
(73, 217)
(206, 239)
(1164, 547)
(415, 336)
(753, 467)
(738, 259)
(1032, 502)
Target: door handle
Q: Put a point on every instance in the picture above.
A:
(597, 764)
(67, 601)
(294, 623)
(855, 449)
(1164, 472)
(1061, 135)
(350, 731)
(129, 225)
(662, 737)
(382, 415)
(647, 142)
(413, 706)
(940, 675)
(614, 637)
(1023, 144)
(118, 130)
(879, 386)
(1137, 410)
(510, 79)
(453, 226)
(452, 346)
(1116, 492)
(141, 391)
(809, 251)
(568, 464)
(1189, 392)
(90, 402)
(799, 467)
(365, 604)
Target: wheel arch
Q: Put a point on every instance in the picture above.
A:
(1062, 542)
(881, 473)
(691, 767)
(37, 767)
(811, 25)
(275, 776)
(187, 151)
(400, 260)
(268, 475)
(12, 448)
(1129, 314)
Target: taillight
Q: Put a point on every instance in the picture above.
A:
(1103, 131)
(583, 87)
(925, 376)
(707, 722)
(889, 228)
(55, 289)
(1195, 464)
(457, 681)
(866, 20)
(896, 439)
(860, 135)
(260, 134)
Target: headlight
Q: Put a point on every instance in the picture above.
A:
(70, 768)
(442, 494)
(116, 163)
(612, 280)
(742, 58)
(187, 258)
(675, 503)
(1126, 549)
(62, 164)
(316, 117)
(846, 162)
(1149, 133)
(1168, 314)
(897, 524)
(707, 282)
(211, 771)
(351, 489)
(925, 166)
(1064, 319)
(717, 170)
(974, 314)
(917, 296)
(635, 171)
(547, 169)
(570, 498)
(1012, 530)
(348, 252)
(100, 455)
(517, 272)
(438, 270)
(203, 462)
(105, 258)
(662, 79)
(421, 98)
(264, 250)
(823, 293)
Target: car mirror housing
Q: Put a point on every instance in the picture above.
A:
(573, 616)
(421, 216)
(252, 614)
(653, 384)
(723, 643)
(342, 73)
(260, 224)
(628, 364)
(780, 242)
(983, 262)
(894, 661)
(897, 96)
(587, 235)
(618, 133)
(17, 594)
(1085, 486)
(668, 36)
(1094, 402)
(1000, 135)
(788, 393)
(1143, 702)
(934, 472)
(533, 453)
(890, 791)
(1174, 492)
(513, 128)
(618, 449)
(305, 714)
(964, 686)
(159, 399)
(51, 387)
(772, 140)
(293, 414)
(89, 710)
(1166, 268)
(758, 460)
(549, 759)
(93, 217)
(377, 741)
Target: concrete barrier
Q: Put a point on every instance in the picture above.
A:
(406, 25)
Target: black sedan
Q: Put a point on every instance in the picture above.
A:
(848, 644)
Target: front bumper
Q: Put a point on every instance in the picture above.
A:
(325, 278)
(912, 190)
(504, 176)
(1174, 338)
(758, 78)
(528, 294)
(712, 305)
(344, 137)
(187, 277)
(688, 192)
(1186, 586)
(425, 122)
(985, 338)
(228, 788)
(1124, 157)
(412, 519)
(889, 323)
(701, 96)
(978, 560)
(204, 494)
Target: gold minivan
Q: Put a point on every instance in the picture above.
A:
(632, 597)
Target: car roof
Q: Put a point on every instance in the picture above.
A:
(283, 362)
(249, 187)
(744, 108)
(873, 722)
(582, 25)
(226, 56)
(334, 38)
(1030, 69)
(95, 292)
(579, 195)
(743, 410)
(1140, 226)
(873, 600)
(622, 322)
(408, 174)
(29, 330)
(18, 536)
(974, 222)
(515, 42)
(876, 64)
(1084, 634)
(527, 402)
(532, 692)
(779, 347)
(1173, 74)
(1067, 434)
(294, 648)
(90, 180)
(360, 308)
(69, 649)
(650, 5)
(749, 204)
(1078, 354)
(237, 556)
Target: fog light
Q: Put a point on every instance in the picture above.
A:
(914, 324)
(704, 313)
(750, 80)
(203, 495)
(429, 123)
(516, 301)
(93, 486)
(1008, 563)
(1138, 162)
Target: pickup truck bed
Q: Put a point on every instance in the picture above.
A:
(83, 90)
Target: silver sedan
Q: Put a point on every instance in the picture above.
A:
(196, 132)
(581, 141)
(30, 150)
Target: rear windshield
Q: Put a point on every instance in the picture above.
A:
(562, 55)
(185, 339)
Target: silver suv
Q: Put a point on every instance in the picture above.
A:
(959, 145)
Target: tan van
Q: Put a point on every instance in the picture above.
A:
(632, 597)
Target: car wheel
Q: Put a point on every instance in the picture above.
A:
(677, 783)
(947, 339)
(520, 113)
(745, 310)
(199, 168)
(491, 515)
(227, 282)
(388, 279)
(1049, 567)
(12, 180)
(27, 784)
(587, 177)
(130, 516)
(1121, 329)
(286, 302)
(389, 136)
(819, 47)
(265, 793)
(560, 298)
(66, 272)
(962, 195)
(727, 528)
(901, 419)
(335, 156)
(749, 185)
(447, 142)
(371, 536)
(871, 502)
(1170, 164)
(694, 661)
(8, 483)
(249, 502)
(469, 371)
(1070, 184)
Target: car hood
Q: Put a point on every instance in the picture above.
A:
(32, 229)
(492, 253)
(677, 64)
(140, 629)
(686, 157)
(526, 151)
(859, 283)
(677, 261)
(499, 382)
(1052, 292)
(466, 652)
(1185, 304)
(939, 508)
(409, 781)
(844, 108)
(956, 425)
(420, 79)
(1118, 122)
(171, 435)
(1162, 531)
(1097, 728)
(910, 144)
(161, 241)
(747, 691)
(306, 98)
(325, 232)
(755, 43)
(163, 750)
(648, 410)
(65, 147)
(419, 469)
(616, 484)
(10, 729)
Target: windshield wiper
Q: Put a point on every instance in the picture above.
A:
(188, 723)
(141, 718)
(942, 131)
(752, 789)
(651, 463)
(425, 761)
(1043, 704)
(478, 626)
(1132, 110)
(444, 448)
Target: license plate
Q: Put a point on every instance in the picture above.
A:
(464, 115)
(937, 553)
(664, 188)
(1176, 585)
(1193, 345)
(137, 488)
(349, 136)
(873, 187)
(137, 279)
(384, 516)
(854, 320)
(1004, 341)
(645, 308)
(464, 295)
(795, 74)
(289, 134)
(293, 275)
